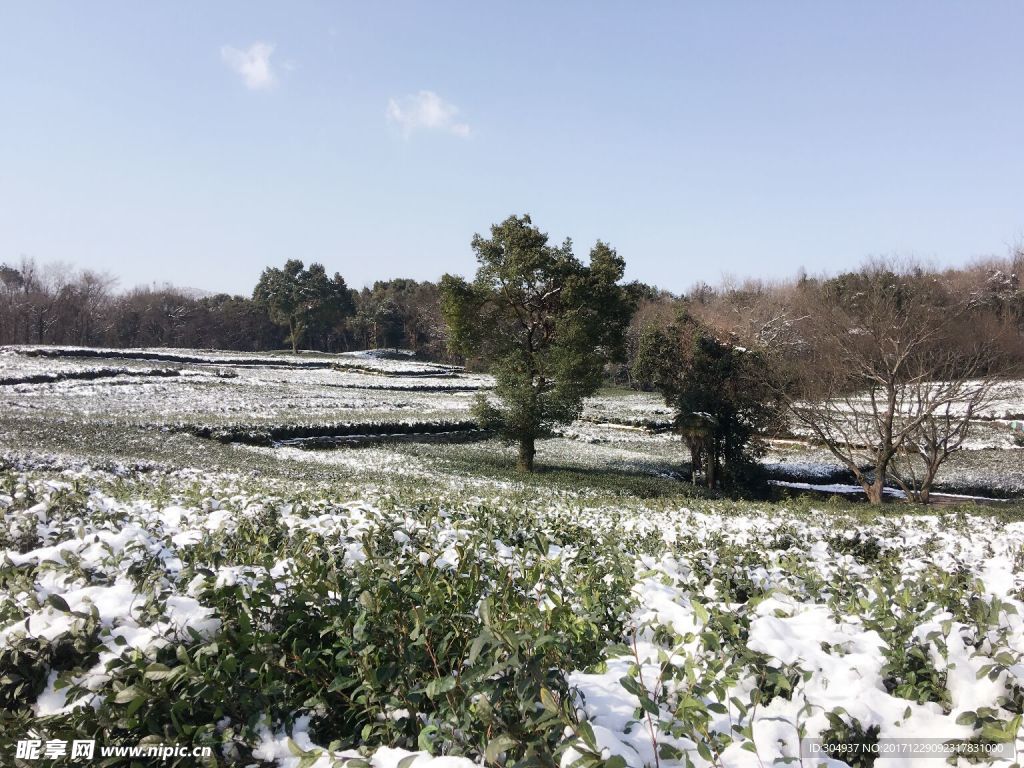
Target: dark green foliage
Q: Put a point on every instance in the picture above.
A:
(721, 393)
(351, 626)
(864, 549)
(24, 667)
(910, 674)
(472, 650)
(305, 300)
(398, 313)
(850, 741)
(774, 680)
(544, 323)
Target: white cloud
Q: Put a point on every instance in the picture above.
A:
(425, 111)
(252, 63)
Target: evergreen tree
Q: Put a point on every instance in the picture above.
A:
(306, 301)
(543, 322)
(721, 395)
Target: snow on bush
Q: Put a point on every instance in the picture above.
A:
(293, 626)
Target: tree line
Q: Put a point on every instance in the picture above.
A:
(885, 366)
(56, 304)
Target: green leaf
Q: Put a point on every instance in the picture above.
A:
(700, 612)
(478, 645)
(585, 732)
(996, 733)
(710, 640)
(135, 704)
(496, 746)
(58, 602)
(669, 752)
(126, 694)
(735, 701)
(157, 671)
(632, 685)
(648, 705)
(439, 686)
(966, 718)
(547, 700)
(425, 741)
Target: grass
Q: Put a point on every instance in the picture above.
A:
(463, 469)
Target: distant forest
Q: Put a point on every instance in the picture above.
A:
(62, 305)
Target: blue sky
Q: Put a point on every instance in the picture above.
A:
(195, 142)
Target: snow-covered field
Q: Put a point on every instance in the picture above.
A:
(234, 388)
(259, 617)
(995, 425)
(416, 604)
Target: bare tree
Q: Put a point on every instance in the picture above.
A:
(971, 388)
(939, 434)
(880, 377)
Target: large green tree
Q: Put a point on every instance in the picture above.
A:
(305, 300)
(543, 322)
(723, 399)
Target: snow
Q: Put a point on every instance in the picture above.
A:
(804, 612)
(790, 625)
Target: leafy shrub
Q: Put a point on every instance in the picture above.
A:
(463, 658)
(910, 674)
(864, 549)
(25, 662)
(849, 740)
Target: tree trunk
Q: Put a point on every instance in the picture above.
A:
(527, 450)
(695, 466)
(291, 336)
(875, 491)
(929, 477)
